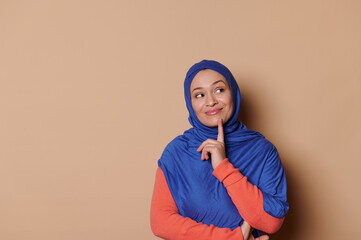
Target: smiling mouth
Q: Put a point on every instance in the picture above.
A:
(213, 111)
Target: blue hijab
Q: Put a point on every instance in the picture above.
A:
(197, 193)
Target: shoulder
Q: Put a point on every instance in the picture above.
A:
(267, 145)
(178, 144)
(260, 140)
(269, 152)
(269, 149)
(264, 146)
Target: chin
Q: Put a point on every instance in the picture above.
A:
(212, 123)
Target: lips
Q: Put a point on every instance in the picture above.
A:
(213, 111)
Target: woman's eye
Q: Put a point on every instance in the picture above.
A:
(218, 90)
(199, 95)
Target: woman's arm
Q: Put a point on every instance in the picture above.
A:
(264, 210)
(247, 197)
(167, 223)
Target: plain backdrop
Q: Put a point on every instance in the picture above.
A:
(92, 91)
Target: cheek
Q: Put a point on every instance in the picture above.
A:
(229, 104)
(197, 106)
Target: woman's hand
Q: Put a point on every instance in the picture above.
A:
(247, 233)
(213, 147)
(246, 230)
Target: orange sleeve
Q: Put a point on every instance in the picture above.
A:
(167, 223)
(246, 197)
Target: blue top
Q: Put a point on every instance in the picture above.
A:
(197, 193)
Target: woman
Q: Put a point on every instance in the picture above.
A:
(219, 180)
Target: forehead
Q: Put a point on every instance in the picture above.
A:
(207, 77)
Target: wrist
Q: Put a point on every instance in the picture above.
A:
(215, 164)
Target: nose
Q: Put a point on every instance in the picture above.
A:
(211, 100)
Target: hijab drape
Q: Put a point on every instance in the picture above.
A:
(196, 192)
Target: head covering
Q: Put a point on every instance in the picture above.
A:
(197, 193)
(234, 130)
(232, 123)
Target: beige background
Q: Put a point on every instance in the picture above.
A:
(91, 92)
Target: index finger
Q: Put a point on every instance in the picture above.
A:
(220, 137)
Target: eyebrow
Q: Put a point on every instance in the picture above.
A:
(211, 85)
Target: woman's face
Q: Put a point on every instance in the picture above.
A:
(211, 97)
